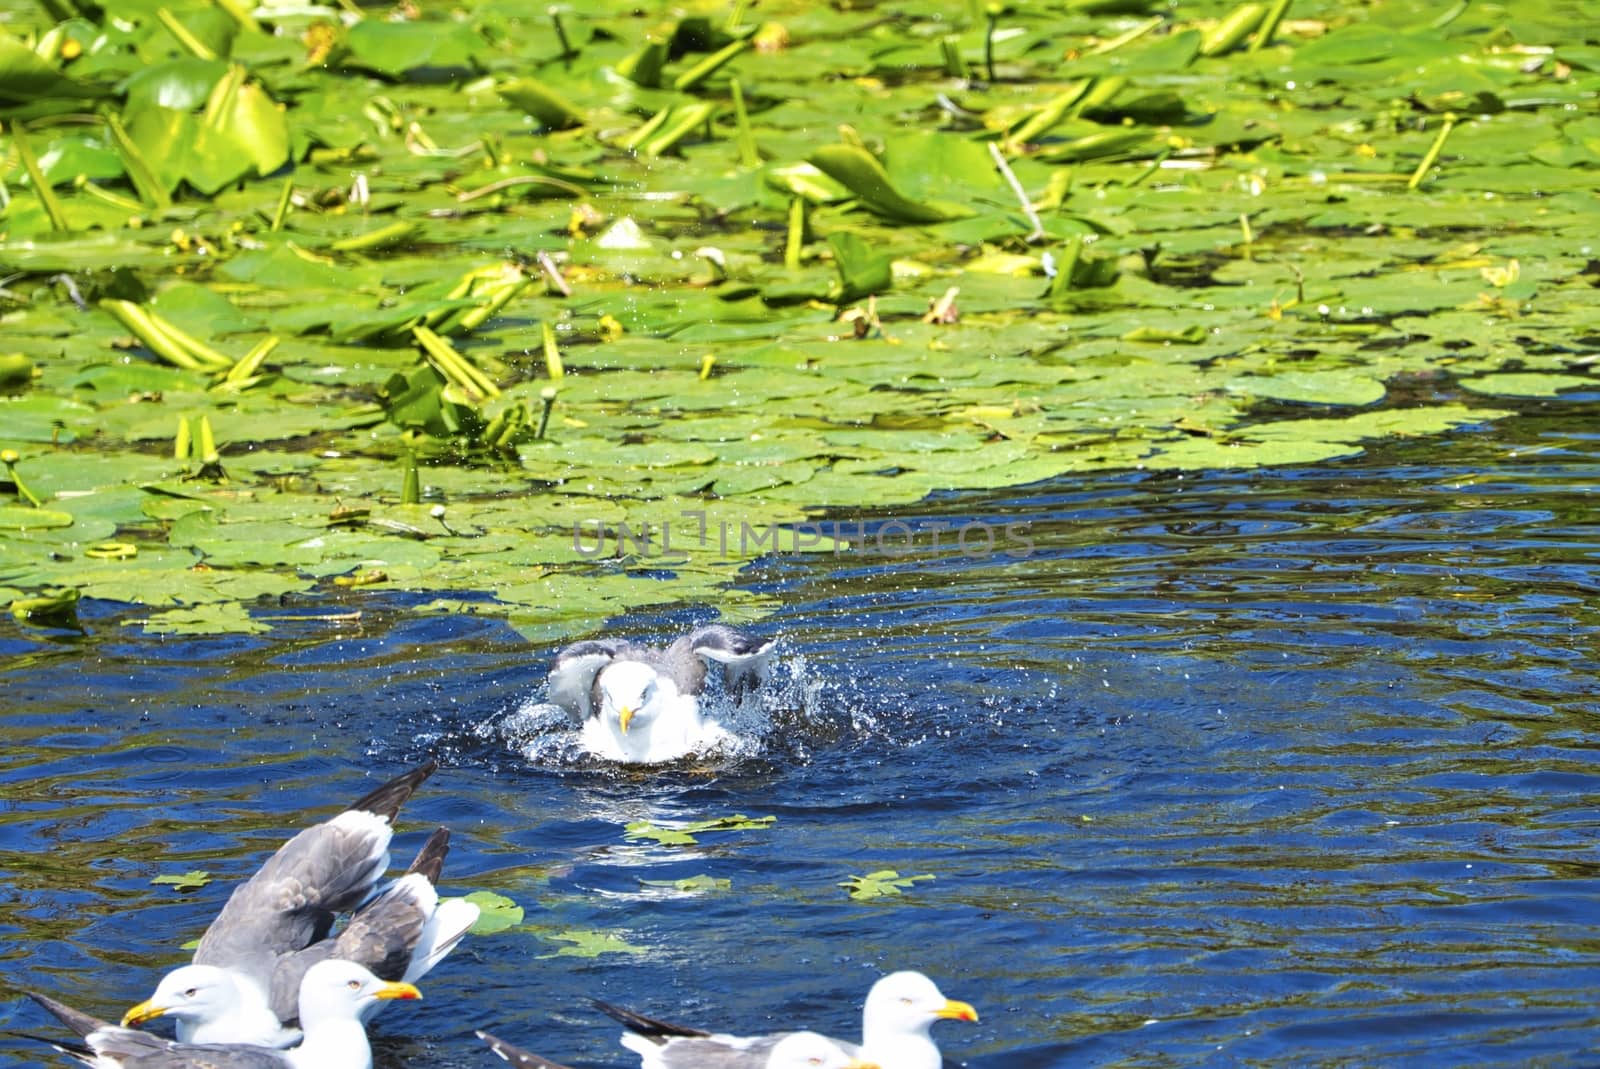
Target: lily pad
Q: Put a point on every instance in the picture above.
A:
(1528, 384)
(496, 912)
(192, 880)
(588, 943)
(881, 884)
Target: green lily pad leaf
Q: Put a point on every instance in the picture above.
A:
(862, 270)
(692, 884)
(25, 76)
(880, 884)
(1342, 387)
(16, 372)
(496, 912)
(1528, 384)
(644, 829)
(395, 47)
(737, 822)
(684, 834)
(24, 518)
(543, 103)
(860, 172)
(218, 618)
(588, 943)
(1192, 335)
(192, 880)
(251, 120)
(179, 84)
(57, 609)
(1201, 454)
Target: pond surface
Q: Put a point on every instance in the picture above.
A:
(1290, 768)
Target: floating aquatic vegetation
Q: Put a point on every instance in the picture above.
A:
(685, 834)
(663, 286)
(192, 880)
(881, 884)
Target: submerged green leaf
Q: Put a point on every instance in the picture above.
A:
(692, 884)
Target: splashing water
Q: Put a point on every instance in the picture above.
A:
(786, 716)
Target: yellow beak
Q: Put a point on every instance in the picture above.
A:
(625, 715)
(397, 991)
(144, 1011)
(957, 1011)
(856, 1063)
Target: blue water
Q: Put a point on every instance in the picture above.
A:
(1292, 768)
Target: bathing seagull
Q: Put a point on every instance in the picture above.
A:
(900, 1009)
(246, 977)
(797, 1050)
(640, 704)
(333, 996)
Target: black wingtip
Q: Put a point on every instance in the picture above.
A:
(387, 799)
(430, 859)
(80, 1022)
(522, 1059)
(83, 1054)
(648, 1027)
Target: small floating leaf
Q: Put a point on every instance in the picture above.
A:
(684, 834)
(643, 829)
(192, 880)
(880, 884)
(737, 822)
(692, 884)
(588, 943)
(496, 912)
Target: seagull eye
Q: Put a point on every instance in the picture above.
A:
(354, 985)
(906, 1001)
(191, 993)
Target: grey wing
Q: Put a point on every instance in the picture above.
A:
(292, 900)
(745, 659)
(680, 663)
(572, 675)
(134, 1050)
(718, 1052)
(383, 935)
(518, 1057)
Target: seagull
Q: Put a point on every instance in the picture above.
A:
(640, 704)
(246, 976)
(333, 995)
(899, 1011)
(797, 1050)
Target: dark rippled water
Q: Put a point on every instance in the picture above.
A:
(1293, 768)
